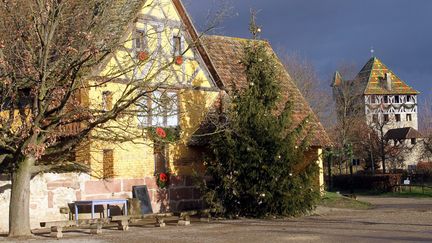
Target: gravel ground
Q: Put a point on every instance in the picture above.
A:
(391, 220)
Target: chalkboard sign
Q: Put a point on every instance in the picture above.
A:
(141, 193)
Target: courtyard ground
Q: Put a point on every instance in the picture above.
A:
(390, 220)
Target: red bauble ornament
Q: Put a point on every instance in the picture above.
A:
(143, 56)
(179, 60)
(160, 132)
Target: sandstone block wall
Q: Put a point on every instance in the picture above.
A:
(50, 192)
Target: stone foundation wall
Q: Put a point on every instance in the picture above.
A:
(50, 192)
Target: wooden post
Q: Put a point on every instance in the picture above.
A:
(96, 228)
(57, 232)
(160, 222)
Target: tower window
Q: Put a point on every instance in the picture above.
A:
(398, 117)
(408, 117)
(397, 99)
(375, 118)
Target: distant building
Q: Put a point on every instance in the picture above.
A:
(387, 99)
(390, 105)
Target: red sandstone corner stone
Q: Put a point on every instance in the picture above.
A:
(52, 185)
(105, 196)
(50, 200)
(150, 182)
(78, 195)
(129, 183)
(101, 187)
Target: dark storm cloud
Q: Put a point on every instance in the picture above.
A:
(329, 32)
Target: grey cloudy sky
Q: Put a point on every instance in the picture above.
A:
(328, 32)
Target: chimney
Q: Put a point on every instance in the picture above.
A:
(389, 81)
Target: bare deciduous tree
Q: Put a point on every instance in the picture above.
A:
(51, 54)
(315, 91)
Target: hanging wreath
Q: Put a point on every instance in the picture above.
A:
(162, 179)
(168, 134)
(161, 132)
(143, 56)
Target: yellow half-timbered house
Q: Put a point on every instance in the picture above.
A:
(186, 77)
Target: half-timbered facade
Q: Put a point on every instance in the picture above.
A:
(388, 99)
(187, 77)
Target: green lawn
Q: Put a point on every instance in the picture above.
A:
(335, 200)
(414, 191)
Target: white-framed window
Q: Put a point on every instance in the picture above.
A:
(410, 99)
(397, 99)
(373, 99)
(398, 117)
(160, 109)
(140, 41)
(386, 118)
(408, 117)
(177, 44)
(106, 100)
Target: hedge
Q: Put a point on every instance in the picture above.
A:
(378, 182)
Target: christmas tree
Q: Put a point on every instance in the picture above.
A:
(257, 164)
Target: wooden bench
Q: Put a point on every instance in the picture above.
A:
(122, 221)
(159, 218)
(56, 227)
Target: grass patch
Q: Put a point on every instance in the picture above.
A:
(335, 200)
(414, 191)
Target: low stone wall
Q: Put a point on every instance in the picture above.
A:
(50, 192)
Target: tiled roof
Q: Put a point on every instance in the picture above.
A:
(337, 79)
(402, 133)
(373, 74)
(225, 54)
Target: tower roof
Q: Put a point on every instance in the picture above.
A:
(337, 79)
(374, 75)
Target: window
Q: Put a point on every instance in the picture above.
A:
(408, 117)
(375, 118)
(386, 99)
(413, 141)
(106, 100)
(108, 163)
(373, 99)
(397, 99)
(410, 99)
(159, 109)
(398, 117)
(386, 117)
(140, 41)
(177, 45)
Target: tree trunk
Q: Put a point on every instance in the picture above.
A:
(383, 158)
(19, 211)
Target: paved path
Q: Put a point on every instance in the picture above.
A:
(392, 220)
